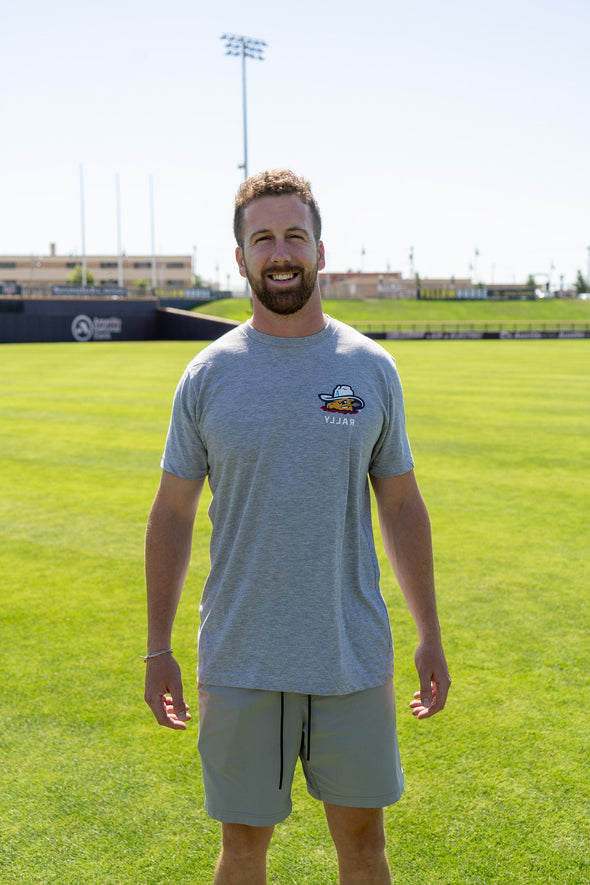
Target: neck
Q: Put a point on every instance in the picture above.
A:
(308, 321)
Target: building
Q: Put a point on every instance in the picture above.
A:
(34, 273)
(355, 284)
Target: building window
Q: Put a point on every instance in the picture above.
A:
(7, 263)
(107, 264)
(176, 265)
(142, 264)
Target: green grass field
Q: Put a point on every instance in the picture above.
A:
(93, 791)
(387, 311)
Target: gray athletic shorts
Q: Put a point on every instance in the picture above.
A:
(249, 741)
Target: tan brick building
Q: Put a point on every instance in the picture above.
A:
(366, 285)
(382, 285)
(34, 272)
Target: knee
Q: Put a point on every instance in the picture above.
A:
(358, 834)
(242, 842)
(365, 845)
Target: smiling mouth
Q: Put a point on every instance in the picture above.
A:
(280, 277)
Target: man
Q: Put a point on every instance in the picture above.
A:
(289, 416)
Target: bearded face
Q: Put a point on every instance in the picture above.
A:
(283, 290)
(280, 256)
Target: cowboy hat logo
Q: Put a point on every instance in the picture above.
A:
(342, 399)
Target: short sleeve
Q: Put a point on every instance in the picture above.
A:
(184, 453)
(392, 454)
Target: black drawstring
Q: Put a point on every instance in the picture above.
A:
(281, 739)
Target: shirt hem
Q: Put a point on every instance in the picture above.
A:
(229, 681)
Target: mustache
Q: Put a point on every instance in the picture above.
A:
(283, 268)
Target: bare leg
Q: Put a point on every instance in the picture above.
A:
(359, 837)
(243, 855)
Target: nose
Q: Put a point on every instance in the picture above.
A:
(280, 252)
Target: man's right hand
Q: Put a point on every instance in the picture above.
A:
(163, 692)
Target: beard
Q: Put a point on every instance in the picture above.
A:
(287, 299)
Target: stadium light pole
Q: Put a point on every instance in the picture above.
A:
(246, 47)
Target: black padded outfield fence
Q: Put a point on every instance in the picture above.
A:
(31, 320)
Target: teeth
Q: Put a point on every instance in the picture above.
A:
(283, 276)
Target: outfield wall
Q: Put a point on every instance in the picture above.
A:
(479, 334)
(29, 320)
(24, 320)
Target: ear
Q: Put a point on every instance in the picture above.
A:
(321, 256)
(240, 262)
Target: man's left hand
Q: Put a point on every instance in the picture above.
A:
(435, 681)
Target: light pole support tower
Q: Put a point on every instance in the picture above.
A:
(246, 47)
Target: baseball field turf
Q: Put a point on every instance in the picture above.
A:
(93, 791)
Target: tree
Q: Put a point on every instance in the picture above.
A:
(75, 278)
(530, 283)
(581, 285)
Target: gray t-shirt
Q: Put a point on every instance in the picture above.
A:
(287, 430)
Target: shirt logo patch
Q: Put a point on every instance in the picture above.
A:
(343, 400)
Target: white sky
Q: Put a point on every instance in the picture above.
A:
(446, 127)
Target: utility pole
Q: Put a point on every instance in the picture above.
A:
(153, 234)
(119, 246)
(83, 227)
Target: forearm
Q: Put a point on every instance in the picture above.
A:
(405, 528)
(408, 544)
(168, 545)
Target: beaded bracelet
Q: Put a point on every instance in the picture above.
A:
(155, 654)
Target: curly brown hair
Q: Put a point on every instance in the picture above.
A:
(274, 182)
